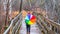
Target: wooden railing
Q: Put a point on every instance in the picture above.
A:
(15, 25)
(46, 25)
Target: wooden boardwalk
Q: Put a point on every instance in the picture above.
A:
(34, 29)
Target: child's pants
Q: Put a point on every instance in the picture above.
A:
(28, 28)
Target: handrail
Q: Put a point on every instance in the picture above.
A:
(39, 23)
(12, 23)
(50, 22)
(8, 28)
(53, 24)
(41, 27)
(49, 19)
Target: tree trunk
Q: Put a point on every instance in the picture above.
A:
(21, 6)
(7, 12)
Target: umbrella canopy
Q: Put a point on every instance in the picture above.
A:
(30, 19)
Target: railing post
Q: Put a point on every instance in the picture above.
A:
(50, 27)
(59, 29)
(54, 29)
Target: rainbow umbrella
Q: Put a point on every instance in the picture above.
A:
(30, 19)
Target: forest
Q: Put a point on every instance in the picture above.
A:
(10, 8)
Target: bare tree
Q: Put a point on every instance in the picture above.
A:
(21, 5)
(7, 12)
(10, 9)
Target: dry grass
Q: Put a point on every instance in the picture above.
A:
(14, 13)
(24, 13)
(41, 11)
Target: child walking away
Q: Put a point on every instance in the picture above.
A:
(29, 20)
